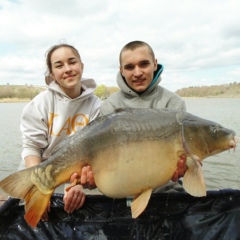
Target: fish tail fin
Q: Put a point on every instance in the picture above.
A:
(193, 179)
(36, 203)
(140, 203)
(19, 185)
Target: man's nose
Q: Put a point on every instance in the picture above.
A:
(137, 71)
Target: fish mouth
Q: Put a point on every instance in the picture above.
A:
(232, 144)
(236, 139)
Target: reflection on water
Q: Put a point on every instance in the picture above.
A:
(221, 171)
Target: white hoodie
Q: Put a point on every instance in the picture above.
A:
(52, 116)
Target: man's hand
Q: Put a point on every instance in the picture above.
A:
(181, 169)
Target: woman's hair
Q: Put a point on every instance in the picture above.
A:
(48, 55)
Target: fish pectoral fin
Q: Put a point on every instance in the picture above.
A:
(140, 203)
(36, 203)
(193, 180)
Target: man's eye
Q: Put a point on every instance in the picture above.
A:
(74, 62)
(144, 64)
(129, 67)
(58, 66)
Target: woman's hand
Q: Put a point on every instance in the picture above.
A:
(74, 198)
(87, 178)
(45, 214)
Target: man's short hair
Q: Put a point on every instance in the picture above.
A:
(136, 44)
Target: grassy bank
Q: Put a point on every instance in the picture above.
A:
(9, 100)
(231, 90)
(17, 93)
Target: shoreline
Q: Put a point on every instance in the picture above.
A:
(14, 100)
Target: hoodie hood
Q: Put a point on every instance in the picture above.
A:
(88, 86)
(127, 90)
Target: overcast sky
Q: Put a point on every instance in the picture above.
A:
(198, 42)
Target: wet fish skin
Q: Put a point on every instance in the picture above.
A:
(131, 152)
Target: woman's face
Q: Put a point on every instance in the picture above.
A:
(67, 70)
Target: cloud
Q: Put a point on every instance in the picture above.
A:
(192, 39)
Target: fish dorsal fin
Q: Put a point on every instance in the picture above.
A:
(140, 203)
(193, 179)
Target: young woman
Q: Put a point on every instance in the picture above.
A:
(64, 108)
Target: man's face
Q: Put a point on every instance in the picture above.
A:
(138, 66)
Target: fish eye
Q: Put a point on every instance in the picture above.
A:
(215, 129)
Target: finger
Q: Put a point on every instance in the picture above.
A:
(74, 203)
(73, 198)
(70, 202)
(74, 177)
(81, 201)
(84, 175)
(180, 163)
(48, 207)
(182, 167)
(184, 158)
(91, 180)
(45, 216)
(175, 176)
(78, 203)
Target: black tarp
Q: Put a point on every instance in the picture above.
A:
(167, 216)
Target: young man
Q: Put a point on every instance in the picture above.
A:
(138, 80)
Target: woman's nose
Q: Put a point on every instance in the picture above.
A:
(67, 67)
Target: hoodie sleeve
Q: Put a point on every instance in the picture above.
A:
(34, 130)
(95, 109)
(106, 108)
(170, 100)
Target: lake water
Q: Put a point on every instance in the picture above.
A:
(220, 171)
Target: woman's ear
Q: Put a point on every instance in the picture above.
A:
(49, 79)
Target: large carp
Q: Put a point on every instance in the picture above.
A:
(131, 152)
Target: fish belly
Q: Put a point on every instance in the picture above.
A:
(133, 167)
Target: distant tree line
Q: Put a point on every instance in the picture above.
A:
(20, 92)
(103, 92)
(226, 90)
(29, 92)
